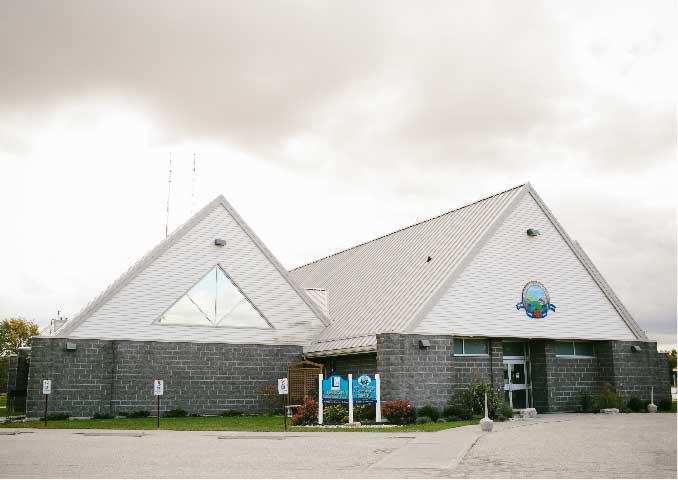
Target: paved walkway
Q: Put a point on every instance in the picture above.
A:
(635, 445)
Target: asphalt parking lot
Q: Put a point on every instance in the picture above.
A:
(567, 445)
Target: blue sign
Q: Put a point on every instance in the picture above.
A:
(364, 390)
(335, 390)
(536, 300)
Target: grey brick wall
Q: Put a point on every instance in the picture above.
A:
(114, 376)
(558, 381)
(433, 375)
(635, 373)
(345, 364)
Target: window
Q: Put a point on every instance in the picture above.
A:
(574, 349)
(214, 301)
(470, 346)
(514, 349)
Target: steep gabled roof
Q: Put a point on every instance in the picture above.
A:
(166, 245)
(387, 284)
(382, 285)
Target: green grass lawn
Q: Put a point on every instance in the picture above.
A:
(673, 408)
(245, 424)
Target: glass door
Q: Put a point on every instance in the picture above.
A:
(515, 383)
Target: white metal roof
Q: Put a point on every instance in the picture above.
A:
(389, 284)
(125, 305)
(381, 285)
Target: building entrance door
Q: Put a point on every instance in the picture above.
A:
(516, 383)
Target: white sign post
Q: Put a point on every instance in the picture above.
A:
(350, 398)
(284, 389)
(46, 391)
(320, 398)
(378, 405)
(158, 390)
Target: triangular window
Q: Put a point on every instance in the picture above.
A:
(215, 301)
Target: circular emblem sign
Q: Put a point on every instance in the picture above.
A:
(535, 300)
(364, 380)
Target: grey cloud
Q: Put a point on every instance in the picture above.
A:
(476, 83)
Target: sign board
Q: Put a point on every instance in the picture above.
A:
(335, 390)
(158, 387)
(46, 387)
(364, 390)
(283, 386)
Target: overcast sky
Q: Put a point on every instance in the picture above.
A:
(328, 124)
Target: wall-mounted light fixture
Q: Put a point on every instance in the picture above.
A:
(635, 348)
(71, 346)
(533, 232)
(424, 343)
(220, 242)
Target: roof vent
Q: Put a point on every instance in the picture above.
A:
(428, 259)
(533, 232)
(220, 242)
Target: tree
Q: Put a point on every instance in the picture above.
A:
(672, 358)
(15, 333)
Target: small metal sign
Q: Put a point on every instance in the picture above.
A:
(46, 387)
(158, 387)
(283, 386)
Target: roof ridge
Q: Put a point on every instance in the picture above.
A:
(131, 272)
(409, 226)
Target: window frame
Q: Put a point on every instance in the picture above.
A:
(574, 349)
(463, 347)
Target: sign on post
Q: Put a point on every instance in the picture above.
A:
(284, 389)
(46, 391)
(363, 390)
(158, 390)
(158, 387)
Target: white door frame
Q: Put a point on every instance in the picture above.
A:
(511, 387)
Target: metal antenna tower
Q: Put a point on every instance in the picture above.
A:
(193, 188)
(169, 191)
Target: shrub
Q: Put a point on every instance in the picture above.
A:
(139, 414)
(231, 413)
(453, 418)
(506, 411)
(441, 420)
(176, 413)
(306, 414)
(665, 405)
(456, 411)
(501, 418)
(123, 414)
(398, 411)
(586, 402)
(608, 397)
(636, 404)
(362, 413)
(422, 420)
(428, 411)
(272, 400)
(101, 416)
(56, 416)
(335, 413)
(473, 400)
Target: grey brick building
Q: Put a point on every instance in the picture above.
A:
(494, 292)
